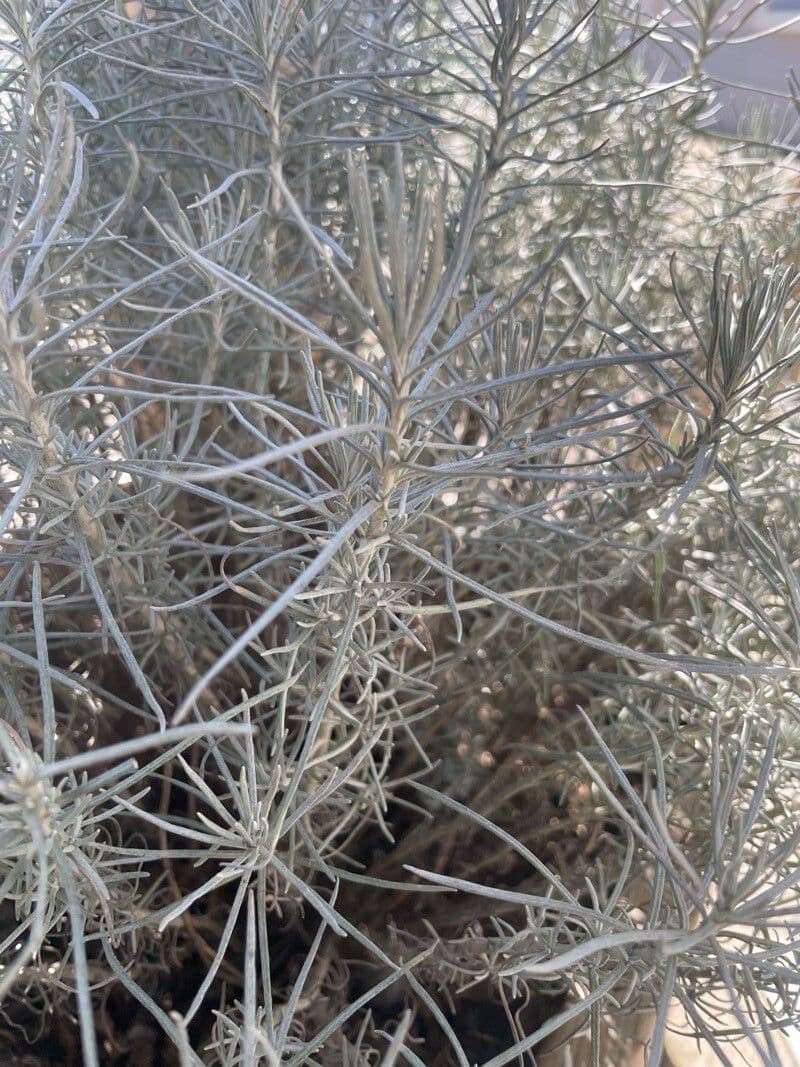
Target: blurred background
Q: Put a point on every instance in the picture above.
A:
(755, 47)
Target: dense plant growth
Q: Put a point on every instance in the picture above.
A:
(399, 612)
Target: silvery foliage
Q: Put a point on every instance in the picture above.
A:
(367, 365)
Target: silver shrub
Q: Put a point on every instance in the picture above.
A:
(399, 608)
